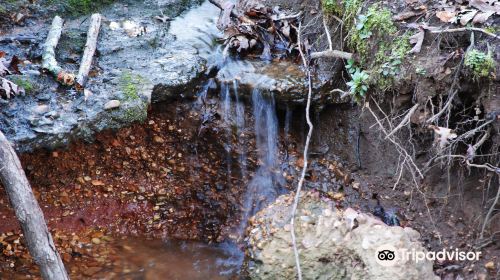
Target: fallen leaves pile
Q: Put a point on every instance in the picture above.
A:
(477, 11)
(253, 26)
(8, 88)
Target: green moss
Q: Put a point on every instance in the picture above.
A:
(331, 7)
(128, 84)
(136, 113)
(480, 64)
(25, 83)
(351, 10)
(375, 23)
(80, 7)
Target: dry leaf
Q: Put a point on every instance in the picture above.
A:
(443, 135)
(3, 67)
(467, 16)
(417, 39)
(482, 17)
(486, 5)
(8, 88)
(407, 15)
(445, 16)
(163, 18)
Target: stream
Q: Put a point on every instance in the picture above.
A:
(176, 259)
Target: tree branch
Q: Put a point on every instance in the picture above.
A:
(49, 61)
(30, 216)
(331, 54)
(90, 46)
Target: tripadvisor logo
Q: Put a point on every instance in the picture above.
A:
(388, 255)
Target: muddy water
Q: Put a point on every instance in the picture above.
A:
(176, 260)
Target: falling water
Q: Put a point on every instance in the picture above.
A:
(240, 125)
(266, 183)
(225, 95)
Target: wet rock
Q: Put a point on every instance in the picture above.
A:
(284, 79)
(333, 244)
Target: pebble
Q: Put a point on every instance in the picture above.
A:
(112, 104)
(41, 109)
(158, 139)
(96, 241)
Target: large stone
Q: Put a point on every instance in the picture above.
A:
(133, 66)
(332, 244)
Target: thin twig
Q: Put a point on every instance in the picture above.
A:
(404, 122)
(304, 168)
(328, 36)
(463, 29)
(445, 107)
(490, 211)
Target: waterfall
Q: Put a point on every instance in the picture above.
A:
(227, 118)
(265, 184)
(240, 125)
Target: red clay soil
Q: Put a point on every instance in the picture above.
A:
(162, 179)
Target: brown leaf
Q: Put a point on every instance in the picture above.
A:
(445, 16)
(8, 88)
(13, 64)
(406, 15)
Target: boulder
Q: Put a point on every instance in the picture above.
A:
(332, 243)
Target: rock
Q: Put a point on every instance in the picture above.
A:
(112, 104)
(41, 109)
(96, 241)
(159, 64)
(490, 265)
(158, 139)
(284, 79)
(333, 244)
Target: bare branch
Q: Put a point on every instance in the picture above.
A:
(331, 54)
(304, 168)
(90, 46)
(404, 122)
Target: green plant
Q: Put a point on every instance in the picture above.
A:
(376, 21)
(420, 71)
(480, 64)
(25, 83)
(388, 61)
(358, 86)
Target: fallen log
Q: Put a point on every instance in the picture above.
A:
(49, 61)
(30, 216)
(331, 54)
(88, 53)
